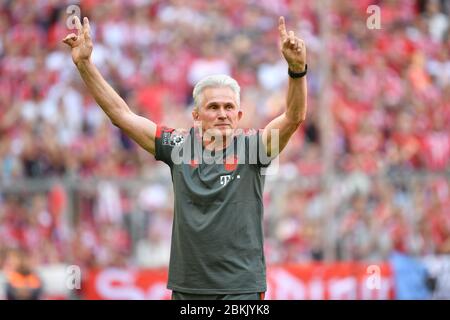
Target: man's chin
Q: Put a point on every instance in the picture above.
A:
(223, 131)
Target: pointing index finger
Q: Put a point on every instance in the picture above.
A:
(282, 28)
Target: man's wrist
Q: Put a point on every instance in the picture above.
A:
(295, 75)
(297, 67)
(82, 63)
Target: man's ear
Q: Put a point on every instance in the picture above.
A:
(195, 114)
(240, 114)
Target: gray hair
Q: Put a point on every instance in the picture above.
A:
(215, 81)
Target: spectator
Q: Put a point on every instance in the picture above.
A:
(22, 281)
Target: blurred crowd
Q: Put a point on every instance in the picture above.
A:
(387, 92)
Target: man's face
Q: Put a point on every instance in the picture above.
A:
(218, 112)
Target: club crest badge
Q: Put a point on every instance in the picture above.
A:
(176, 140)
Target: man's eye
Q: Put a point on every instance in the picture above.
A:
(229, 106)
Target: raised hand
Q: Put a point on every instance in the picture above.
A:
(293, 48)
(80, 43)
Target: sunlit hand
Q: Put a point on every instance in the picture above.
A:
(292, 48)
(80, 43)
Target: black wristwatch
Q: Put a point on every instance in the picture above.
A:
(298, 74)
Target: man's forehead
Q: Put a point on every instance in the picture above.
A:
(219, 95)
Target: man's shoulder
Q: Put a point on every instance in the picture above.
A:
(171, 136)
(247, 132)
(160, 128)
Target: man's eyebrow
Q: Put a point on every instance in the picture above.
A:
(219, 103)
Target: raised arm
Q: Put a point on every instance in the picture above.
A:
(138, 128)
(294, 51)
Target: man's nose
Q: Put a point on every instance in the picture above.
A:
(222, 114)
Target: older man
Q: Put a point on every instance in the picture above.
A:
(217, 239)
